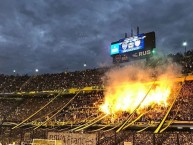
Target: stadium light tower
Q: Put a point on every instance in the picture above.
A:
(36, 70)
(184, 44)
(14, 71)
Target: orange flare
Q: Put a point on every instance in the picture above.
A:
(127, 96)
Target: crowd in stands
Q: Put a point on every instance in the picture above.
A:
(50, 82)
(167, 138)
(85, 106)
(186, 60)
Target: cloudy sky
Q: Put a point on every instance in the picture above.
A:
(53, 35)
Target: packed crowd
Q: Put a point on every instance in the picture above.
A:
(167, 138)
(186, 60)
(85, 106)
(50, 82)
(111, 137)
(77, 79)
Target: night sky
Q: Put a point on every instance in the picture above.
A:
(56, 35)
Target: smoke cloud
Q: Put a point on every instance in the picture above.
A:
(126, 86)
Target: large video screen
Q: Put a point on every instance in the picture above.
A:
(133, 48)
(128, 44)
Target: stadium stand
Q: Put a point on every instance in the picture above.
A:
(16, 107)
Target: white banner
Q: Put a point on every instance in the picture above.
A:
(73, 138)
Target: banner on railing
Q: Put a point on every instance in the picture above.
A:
(73, 138)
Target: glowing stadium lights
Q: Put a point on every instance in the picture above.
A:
(14, 71)
(184, 44)
(84, 65)
(36, 70)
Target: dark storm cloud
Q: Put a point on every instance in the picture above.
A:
(55, 35)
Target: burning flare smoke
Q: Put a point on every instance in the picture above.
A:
(127, 86)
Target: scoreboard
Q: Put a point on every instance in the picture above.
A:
(133, 48)
(128, 44)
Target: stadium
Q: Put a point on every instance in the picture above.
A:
(147, 102)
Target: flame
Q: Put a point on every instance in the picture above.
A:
(129, 95)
